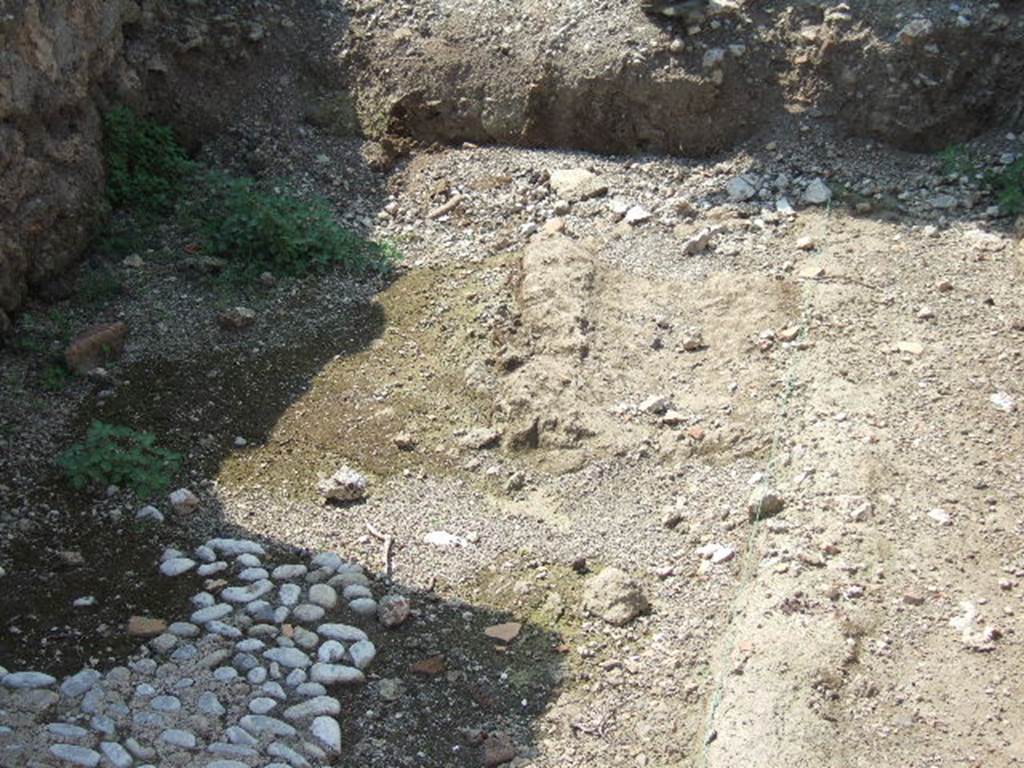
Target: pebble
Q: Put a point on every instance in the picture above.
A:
(179, 738)
(327, 733)
(320, 705)
(246, 594)
(279, 749)
(290, 658)
(235, 547)
(307, 613)
(149, 514)
(289, 572)
(183, 501)
(75, 755)
(342, 632)
(364, 606)
(116, 755)
(211, 613)
(262, 705)
(177, 566)
(817, 193)
(79, 683)
(26, 680)
(392, 611)
(209, 704)
(362, 653)
(323, 595)
(289, 594)
(336, 674)
(331, 651)
(261, 724)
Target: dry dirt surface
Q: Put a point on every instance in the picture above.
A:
(778, 387)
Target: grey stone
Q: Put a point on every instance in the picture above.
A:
(294, 759)
(258, 725)
(247, 593)
(79, 683)
(336, 674)
(307, 613)
(331, 651)
(320, 705)
(323, 595)
(209, 704)
(75, 755)
(234, 547)
(262, 705)
(116, 755)
(343, 632)
(289, 572)
(211, 613)
(178, 737)
(177, 566)
(614, 597)
(327, 733)
(363, 606)
(363, 653)
(25, 680)
(289, 594)
(290, 658)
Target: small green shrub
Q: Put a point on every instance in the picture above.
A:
(55, 377)
(145, 164)
(957, 161)
(99, 285)
(118, 455)
(1008, 187)
(257, 229)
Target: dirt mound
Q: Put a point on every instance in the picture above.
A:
(558, 75)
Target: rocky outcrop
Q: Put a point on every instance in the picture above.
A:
(53, 58)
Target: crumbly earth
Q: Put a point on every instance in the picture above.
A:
(561, 385)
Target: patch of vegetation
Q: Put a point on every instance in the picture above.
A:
(99, 285)
(254, 226)
(258, 229)
(119, 455)
(1007, 184)
(145, 164)
(1008, 187)
(55, 377)
(957, 161)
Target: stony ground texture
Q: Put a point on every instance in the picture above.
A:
(778, 391)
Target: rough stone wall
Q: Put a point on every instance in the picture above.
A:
(54, 55)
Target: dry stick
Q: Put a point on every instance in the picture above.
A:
(388, 543)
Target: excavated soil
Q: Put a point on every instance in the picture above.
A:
(567, 382)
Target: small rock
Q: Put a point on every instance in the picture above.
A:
(236, 318)
(764, 502)
(146, 626)
(614, 597)
(177, 566)
(96, 346)
(75, 755)
(504, 633)
(739, 189)
(327, 733)
(498, 750)
(149, 514)
(817, 193)
(577, 184)
(392, 610)
(345, 485)
(183, 501)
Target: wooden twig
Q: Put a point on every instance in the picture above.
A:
(388, 544)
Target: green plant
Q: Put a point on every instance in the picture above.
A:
(118, 455)
(55, 377)
(99, 285)
(1008, 187)
(258, 229)
(145, 164)
(956, 161)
